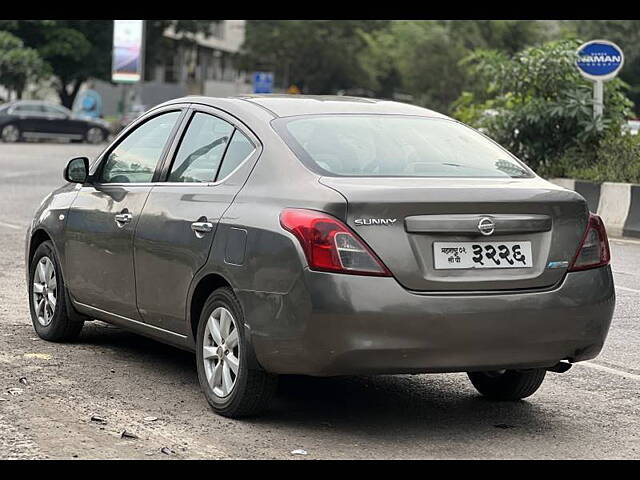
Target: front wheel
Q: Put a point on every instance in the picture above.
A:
(231, 387)
(507, 384)
(48, 305)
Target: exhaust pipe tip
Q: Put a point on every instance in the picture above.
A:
(560, 367)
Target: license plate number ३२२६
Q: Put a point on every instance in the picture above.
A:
(467, 255)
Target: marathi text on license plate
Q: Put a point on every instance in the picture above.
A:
(458, 255)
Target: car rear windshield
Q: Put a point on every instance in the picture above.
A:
(395, 145)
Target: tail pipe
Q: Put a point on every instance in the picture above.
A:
(560, 367)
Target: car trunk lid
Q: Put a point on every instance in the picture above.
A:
(402, 218)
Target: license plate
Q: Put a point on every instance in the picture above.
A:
(460, 255)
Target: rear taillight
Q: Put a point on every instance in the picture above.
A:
(594, 248)
(330, 245)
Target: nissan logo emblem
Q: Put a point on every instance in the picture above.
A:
(486, 226)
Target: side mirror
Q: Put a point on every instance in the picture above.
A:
(77, 170)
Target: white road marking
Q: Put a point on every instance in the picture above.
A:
(10, 225)
(626, 240)
(20, 173)
(620, 272)
(615, 371)
(626, 289)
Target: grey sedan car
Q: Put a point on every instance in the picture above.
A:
(322, 236)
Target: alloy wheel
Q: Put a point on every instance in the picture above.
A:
(221, 352)
(45, 289)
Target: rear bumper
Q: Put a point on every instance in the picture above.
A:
(331, 324)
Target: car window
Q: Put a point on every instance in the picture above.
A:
(134, 160)
(28, 108)
(240, 147)
(201, 149)
(395, 145)
(55, 110)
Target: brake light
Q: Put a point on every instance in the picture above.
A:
(330, 245)
(594, 247)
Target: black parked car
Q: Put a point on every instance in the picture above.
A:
(25, 119)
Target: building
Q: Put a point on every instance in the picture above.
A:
(206, 67)
(203, 66)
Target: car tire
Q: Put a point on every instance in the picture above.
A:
(508, 384)
(11, 133)
(221, 346)
(51, 314)
(94, 135)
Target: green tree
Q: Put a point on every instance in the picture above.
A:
(427, 56)
(75, 50)
(509, 36)
(319, 56)
(422, 57)
(536, 103)
(18, 64)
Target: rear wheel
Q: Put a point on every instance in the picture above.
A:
(10, 133)
(507, 384)
(229, 385)
(50, 312)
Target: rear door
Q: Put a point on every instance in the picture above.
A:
(61, 121)
(209, 162)
(102, 220)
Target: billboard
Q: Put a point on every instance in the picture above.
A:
(127, 51)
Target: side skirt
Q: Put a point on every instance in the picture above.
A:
(151, 331)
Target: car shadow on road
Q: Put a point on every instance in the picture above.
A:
(402, 406)
(383, 406)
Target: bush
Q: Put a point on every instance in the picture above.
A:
(616, 159)
(537, 105)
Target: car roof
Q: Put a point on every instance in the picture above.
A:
(289, 105)
(15, 102)
(34, 102)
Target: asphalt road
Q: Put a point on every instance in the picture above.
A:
(151, 390)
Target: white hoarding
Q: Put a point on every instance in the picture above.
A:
(127, 51)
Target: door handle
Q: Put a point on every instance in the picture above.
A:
(200, 228)
(123, 218)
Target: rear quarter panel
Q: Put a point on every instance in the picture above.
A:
(272, 262)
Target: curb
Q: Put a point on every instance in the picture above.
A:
(617, 203)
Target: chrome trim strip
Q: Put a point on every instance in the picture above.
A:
(52, 135)
(142, 324)
(504, 224)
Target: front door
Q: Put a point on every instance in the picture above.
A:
(176, 230)
(31, 118)
(61, 122)
(103, 218)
